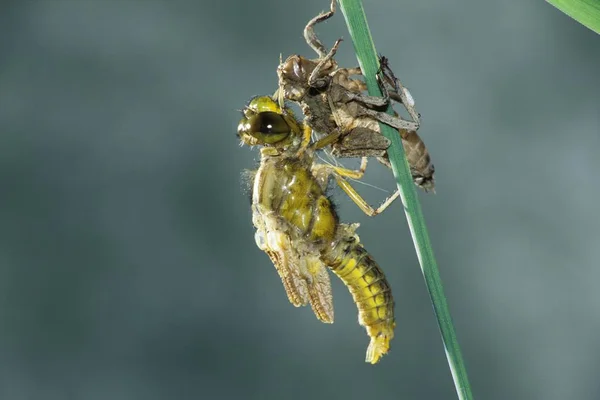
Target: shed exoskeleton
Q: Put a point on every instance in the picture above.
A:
(334, 104)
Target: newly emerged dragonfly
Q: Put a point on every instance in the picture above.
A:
(297, 226)
(334, 105)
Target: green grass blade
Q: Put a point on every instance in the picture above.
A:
(586, 12)
(367, 58)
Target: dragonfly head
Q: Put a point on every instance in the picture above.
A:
(265, 123)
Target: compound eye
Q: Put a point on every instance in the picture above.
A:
(270, 123)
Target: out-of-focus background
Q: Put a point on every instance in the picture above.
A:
(128, 267)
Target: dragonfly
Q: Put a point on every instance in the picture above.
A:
(299, 229)
(333, 102)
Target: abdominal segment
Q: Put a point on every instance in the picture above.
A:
(369, 288)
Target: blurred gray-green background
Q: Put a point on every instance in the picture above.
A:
(128, 268)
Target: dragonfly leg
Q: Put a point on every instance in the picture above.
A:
(378, 102)
(306, 136)
(309, 32)
(324, 171)
(327, 140)
(317, 79)
(399, 93)
(371, 101)
(391, 120)
(360, 201)
(341, 173)
(352, 173)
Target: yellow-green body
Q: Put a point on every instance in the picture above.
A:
(299, 229)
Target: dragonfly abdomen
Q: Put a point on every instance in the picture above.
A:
(369, 288)
(421, 167)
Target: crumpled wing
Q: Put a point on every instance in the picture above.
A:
(304, 277)
(319, 289)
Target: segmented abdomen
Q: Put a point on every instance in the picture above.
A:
(421, 167)
(369, 288)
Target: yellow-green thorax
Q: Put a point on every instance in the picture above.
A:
(286, 187)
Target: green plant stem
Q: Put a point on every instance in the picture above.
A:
(369, 63)
(586, 12)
